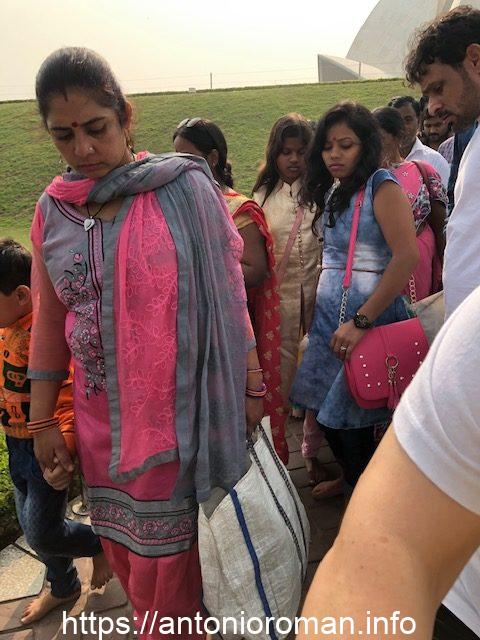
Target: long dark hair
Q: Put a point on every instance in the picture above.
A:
(390, 120)
(292, 125)
(318, 179)
(80, 68)
(207, 136)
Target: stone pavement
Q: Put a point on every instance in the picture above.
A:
(22, 574)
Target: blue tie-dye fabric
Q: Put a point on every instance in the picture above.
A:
(320, 382)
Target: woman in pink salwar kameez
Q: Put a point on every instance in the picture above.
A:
(428, 199)
(137, 279)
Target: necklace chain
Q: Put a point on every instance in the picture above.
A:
(92, 216)
(89, 222)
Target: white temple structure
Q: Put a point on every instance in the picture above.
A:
(380, 47)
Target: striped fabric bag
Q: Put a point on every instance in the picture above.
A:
(253, 546)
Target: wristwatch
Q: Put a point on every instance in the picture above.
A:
(361, 321)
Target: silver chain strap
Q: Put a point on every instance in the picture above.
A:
(343, 306)
(412, 290)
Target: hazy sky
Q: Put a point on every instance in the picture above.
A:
(175, 44)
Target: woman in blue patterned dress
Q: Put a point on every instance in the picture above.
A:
(345, 156)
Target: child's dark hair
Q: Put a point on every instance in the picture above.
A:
(319, 180)
(390, 120)
(401, 101)
(80, 68)
(15, 265)
(292, 125)
(207, 136)
(444, 40)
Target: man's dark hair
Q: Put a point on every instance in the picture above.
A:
(401, 101)
(15, 265)
(390, 120)
(444, 40)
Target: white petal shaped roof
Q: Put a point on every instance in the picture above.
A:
(383, 40)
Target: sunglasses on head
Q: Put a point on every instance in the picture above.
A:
(189, 122)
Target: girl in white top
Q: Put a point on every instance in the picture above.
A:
(276, 191)
(298, 264)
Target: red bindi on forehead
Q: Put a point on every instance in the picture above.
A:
(75, 124)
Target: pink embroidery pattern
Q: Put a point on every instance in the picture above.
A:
(154, 529)
(79, 296)
(147, 362)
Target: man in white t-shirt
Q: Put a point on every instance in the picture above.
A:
(452, 84)
(412, 147)
(413, 521)
(413, 524)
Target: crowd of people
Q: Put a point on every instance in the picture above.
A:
(162, 314)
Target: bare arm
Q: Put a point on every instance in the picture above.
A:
(50, 444)
(49, 355)
(394, 215)
(253, 406)
(254, 259)
(437, 222)
(401, 546)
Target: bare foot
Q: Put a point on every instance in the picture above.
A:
(316, 471)
(42, 605)
(328, 489)
(101, 571)
(297, 412)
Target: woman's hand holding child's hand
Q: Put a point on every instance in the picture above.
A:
(58, 478)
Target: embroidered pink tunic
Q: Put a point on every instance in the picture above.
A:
(152, 308)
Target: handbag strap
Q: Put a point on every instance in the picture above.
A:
(423, 172)
(351, 253)
(281, 510)
(285, 478)
(353, 239)
(282, 266)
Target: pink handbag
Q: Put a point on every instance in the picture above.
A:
(386, 359)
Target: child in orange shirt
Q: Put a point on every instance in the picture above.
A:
(40, 497)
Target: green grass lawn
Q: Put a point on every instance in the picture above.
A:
(28, 160)
(9, 528)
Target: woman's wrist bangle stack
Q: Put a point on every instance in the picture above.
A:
(256, 393)
(38, 426)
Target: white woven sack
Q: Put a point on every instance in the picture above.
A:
(255, 570)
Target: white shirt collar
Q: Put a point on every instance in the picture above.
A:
(418, 146)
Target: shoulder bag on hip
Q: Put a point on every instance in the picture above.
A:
(383, 363)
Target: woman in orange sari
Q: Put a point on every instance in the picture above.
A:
(204, 138)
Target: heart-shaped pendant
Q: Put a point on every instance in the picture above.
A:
(88, 223)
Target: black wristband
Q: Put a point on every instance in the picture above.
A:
(361, 321)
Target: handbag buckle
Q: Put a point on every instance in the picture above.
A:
(391, 363)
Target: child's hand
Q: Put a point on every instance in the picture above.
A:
(59, 478)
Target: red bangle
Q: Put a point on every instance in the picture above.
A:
(38, 431)
(37, 426)
(260, 393)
